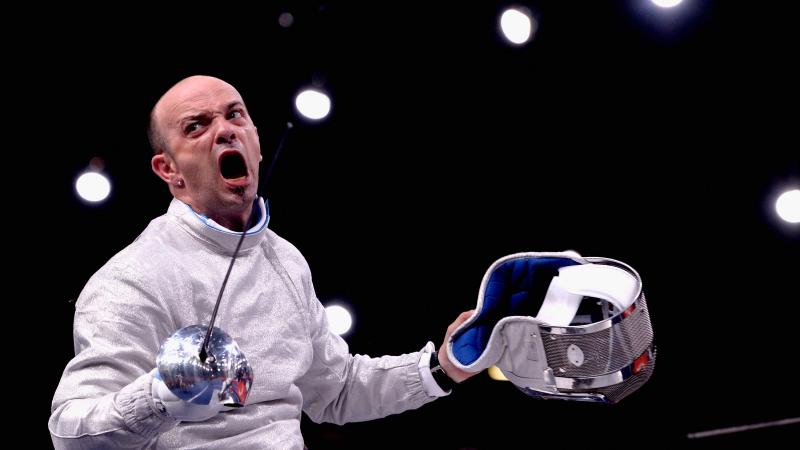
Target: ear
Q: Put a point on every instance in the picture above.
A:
(164, 167)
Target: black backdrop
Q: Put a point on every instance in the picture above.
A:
(616, 132)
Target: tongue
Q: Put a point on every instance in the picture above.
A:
(232, 166)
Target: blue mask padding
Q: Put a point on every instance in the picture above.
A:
(515, 288)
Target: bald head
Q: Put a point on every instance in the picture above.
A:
(207, 149)
(188, 88)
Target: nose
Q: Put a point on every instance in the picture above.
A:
(226, 133)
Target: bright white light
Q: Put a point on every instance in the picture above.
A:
(313, 104)
(93, 187)
(667, 3)
(339, 319)
(516, 26)
(788, 206)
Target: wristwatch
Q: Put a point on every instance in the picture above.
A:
(439, 375)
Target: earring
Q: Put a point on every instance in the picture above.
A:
(180, 183)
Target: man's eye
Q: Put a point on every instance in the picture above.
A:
(192, 127)
(235, 114)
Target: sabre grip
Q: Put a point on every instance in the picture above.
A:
(167, 402)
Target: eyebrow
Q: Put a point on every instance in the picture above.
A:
(234, 104)
(204, 114)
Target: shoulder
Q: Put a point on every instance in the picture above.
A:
(133, 273)
(286, 252)
(150, 252)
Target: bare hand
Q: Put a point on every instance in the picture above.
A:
(452, 371)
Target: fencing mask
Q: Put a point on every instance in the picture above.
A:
(591, 339)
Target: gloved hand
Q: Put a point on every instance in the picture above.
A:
(179, 409)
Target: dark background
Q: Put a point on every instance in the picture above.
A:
(659, 138)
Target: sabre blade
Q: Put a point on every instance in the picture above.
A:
(262, 182)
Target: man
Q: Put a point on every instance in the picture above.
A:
(207, 151)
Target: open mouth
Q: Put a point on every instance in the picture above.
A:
(232, 166)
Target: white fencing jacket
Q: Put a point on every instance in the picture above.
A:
(168, 278)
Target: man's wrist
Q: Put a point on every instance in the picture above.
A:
(439, 375)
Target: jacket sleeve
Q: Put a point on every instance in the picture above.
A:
(103, 399)
(340, 387)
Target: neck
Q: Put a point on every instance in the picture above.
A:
(234, 222)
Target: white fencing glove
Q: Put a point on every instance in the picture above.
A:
(179, 409)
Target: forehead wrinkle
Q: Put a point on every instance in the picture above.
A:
(198, 106)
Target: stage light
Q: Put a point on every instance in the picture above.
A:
(667, 3)
(496, 374)
(93, 187)
(339, 319)
(517, 26)
(788, 206)
(312, 104)
(286, 20)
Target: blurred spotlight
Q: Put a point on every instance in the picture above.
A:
(286, 20)
(667, 3)
(668, 20)
(93, 187)
(788, 206)
(339, 319)
(496, 374)
(312, 104)
(517, 25)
